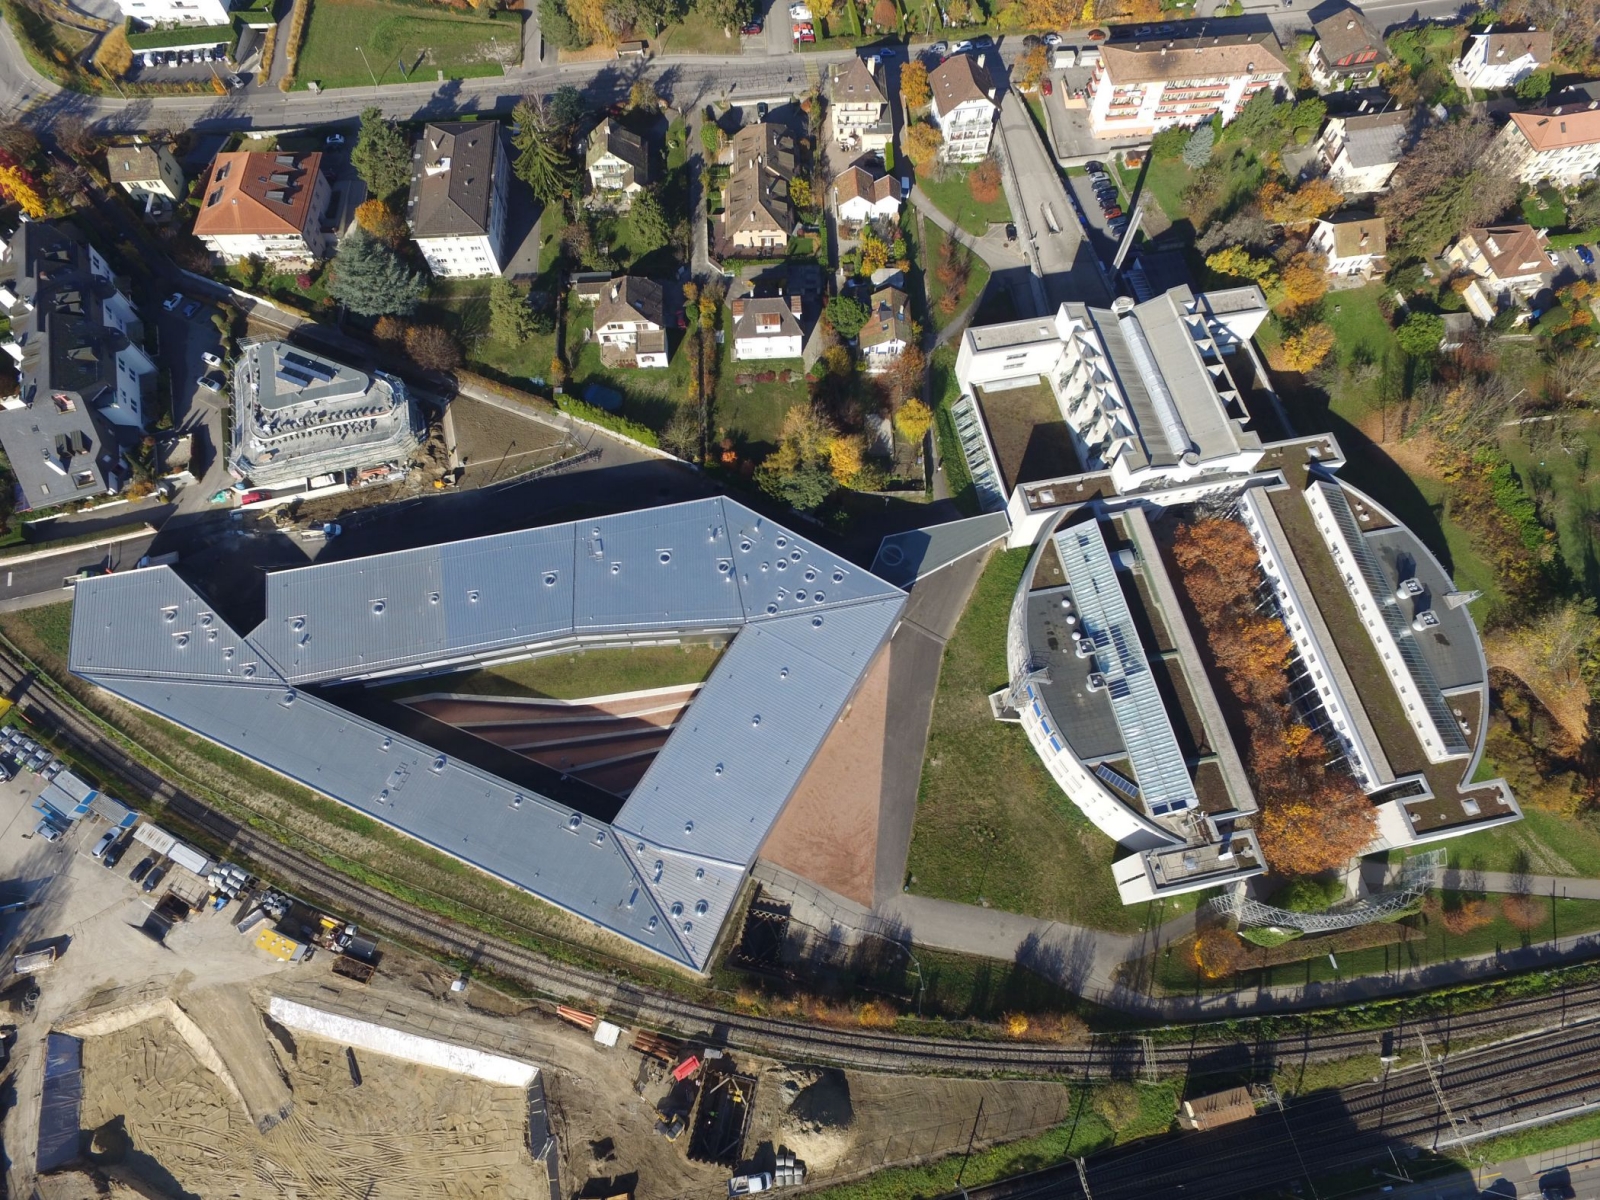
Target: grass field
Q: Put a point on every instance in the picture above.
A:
(578, 675)
(1540, 844)
(696, 34)
(976, 281)
(953, 197)
(427, 40)
(1176, 969)
(1554, 459)
(1544, 208)
(752, 413)
(1084, 1134)
(991, 825)
(648, 396)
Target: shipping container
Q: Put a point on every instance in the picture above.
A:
(155, 837)
(187, 856)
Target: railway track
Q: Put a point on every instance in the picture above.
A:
(1547, 1073)
(1105, 1056)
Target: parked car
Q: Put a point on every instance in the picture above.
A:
(983, 42)
(939, 48)
(212, 381)
(235, 82)
(805, 35)
(1046, 86)
(172, 301)
(1113, 211)
(103, 844)
(749, 1185)
(252, 497)
(153, 880)
(960, 47)
(114, 855)
(190, 309)
(210, 359)
(1053, 40)
(887, 52)
(47, 831)
(1095, 167)
(1555, 259)
(1011, 233)
(336, 139)
(750, 30)
(143, 868)
(1586, 255)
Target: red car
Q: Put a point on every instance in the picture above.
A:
(1113, 212)
(252, 497)
(1047, 87)
(751, 29)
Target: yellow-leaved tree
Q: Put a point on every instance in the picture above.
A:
(16, 186)
(914, 93)
(913, 420)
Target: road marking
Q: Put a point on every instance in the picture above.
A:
(8, 578)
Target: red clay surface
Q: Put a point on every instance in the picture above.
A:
(828, 833)
(608, 741)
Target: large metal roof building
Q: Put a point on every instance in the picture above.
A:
(665, 872)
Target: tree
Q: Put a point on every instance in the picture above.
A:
(591, 18)
(1304, 349)
(1303, 834)
(557, 27)
(682, 434)
(1523, 911)
(1537, 85)
(922, 144)
(1303, 283)
(510, 318)
(914, 91)
(369, 278)
(847, 316)
(115, 56)
(1197, 150)
(711, 138)
(1310, 201)
(800, 192)
(650, 228)
(799, 472)
(984, 182)
(730, 14)
(1420, 333)
(1217, 952)
(913, 421)
(844, 457)
(908, 370)
(20, 143)
(382, 155)
(885, 15)
(1442, 187)
(642, 95)
(1031, 68)
(562, 113)
(18, 186)
(75, 138)
(1239, 263)
(874, 254)
(382, 222)
(543, 161)
(432, 347)
(389, 329)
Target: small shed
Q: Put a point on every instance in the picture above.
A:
(1219, 1108)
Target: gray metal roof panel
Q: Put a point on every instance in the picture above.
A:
(721, 780)
(663, 568)
(150, 622)
(904, 558)
(569, 860)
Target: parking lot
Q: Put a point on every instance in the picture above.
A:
(182, 64)
(1101, 237)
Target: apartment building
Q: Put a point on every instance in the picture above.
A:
(1508, 261)
(266, 203)
(149, 174)
(1143, 86)
(1560, 144)
(1359, 152)
(618, 160)
(1500, 58)
(757, 216)
(859, 107)
(964, 107)
(460, 186)
(176, 12)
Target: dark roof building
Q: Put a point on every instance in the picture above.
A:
(1348, 46)
(460, 176)
(618, 158)
(80, 370)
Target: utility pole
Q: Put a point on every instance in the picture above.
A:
(1083, 1178)
(370, 75)
(971, 1138)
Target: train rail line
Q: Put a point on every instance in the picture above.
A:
(1105, 1056)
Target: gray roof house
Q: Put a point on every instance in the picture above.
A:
(662, 872)
(81, 372)
(618, 159)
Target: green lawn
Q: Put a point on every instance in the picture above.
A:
(577, 675)
(946, 391)
(976, 281)
(425, 39)
(991, 825)
(1540, 844)
(696, 34)
(462, 306)
(1544, 208)
(1165, 179)
(953, 198)
(648, 396)
(1176, 972)
(1554, 460)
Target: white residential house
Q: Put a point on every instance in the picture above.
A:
(887, 331)
(1561, 144)
(1509, 262)
(1355, 245)
(618, 160)
(630, 322)
(265, 203)
(964, 107)
(1359, 152)
(858, 106)
(1501, 58)
(1143, 85)
(148, 173)
(460, 192)
(860, 195)
(766, 327)
(176, 12)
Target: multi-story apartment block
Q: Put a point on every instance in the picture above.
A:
(858, 106)
(1501, 58)
(460, 184)
(81, 374)
(757, 216)
(266, 203)
(1141, 87)
(1561, 144)
(964, 107)
(176, 12)
(1360, 152)
(1509, 262)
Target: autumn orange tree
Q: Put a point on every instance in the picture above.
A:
(1217, 952)
(922, 144)
(1313, 199)
(1302, 283)
(19, 187)
(914, 92)
(1304, 349)
(382, 222)
(984, 182)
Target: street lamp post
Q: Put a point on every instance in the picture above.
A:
(363, 54)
